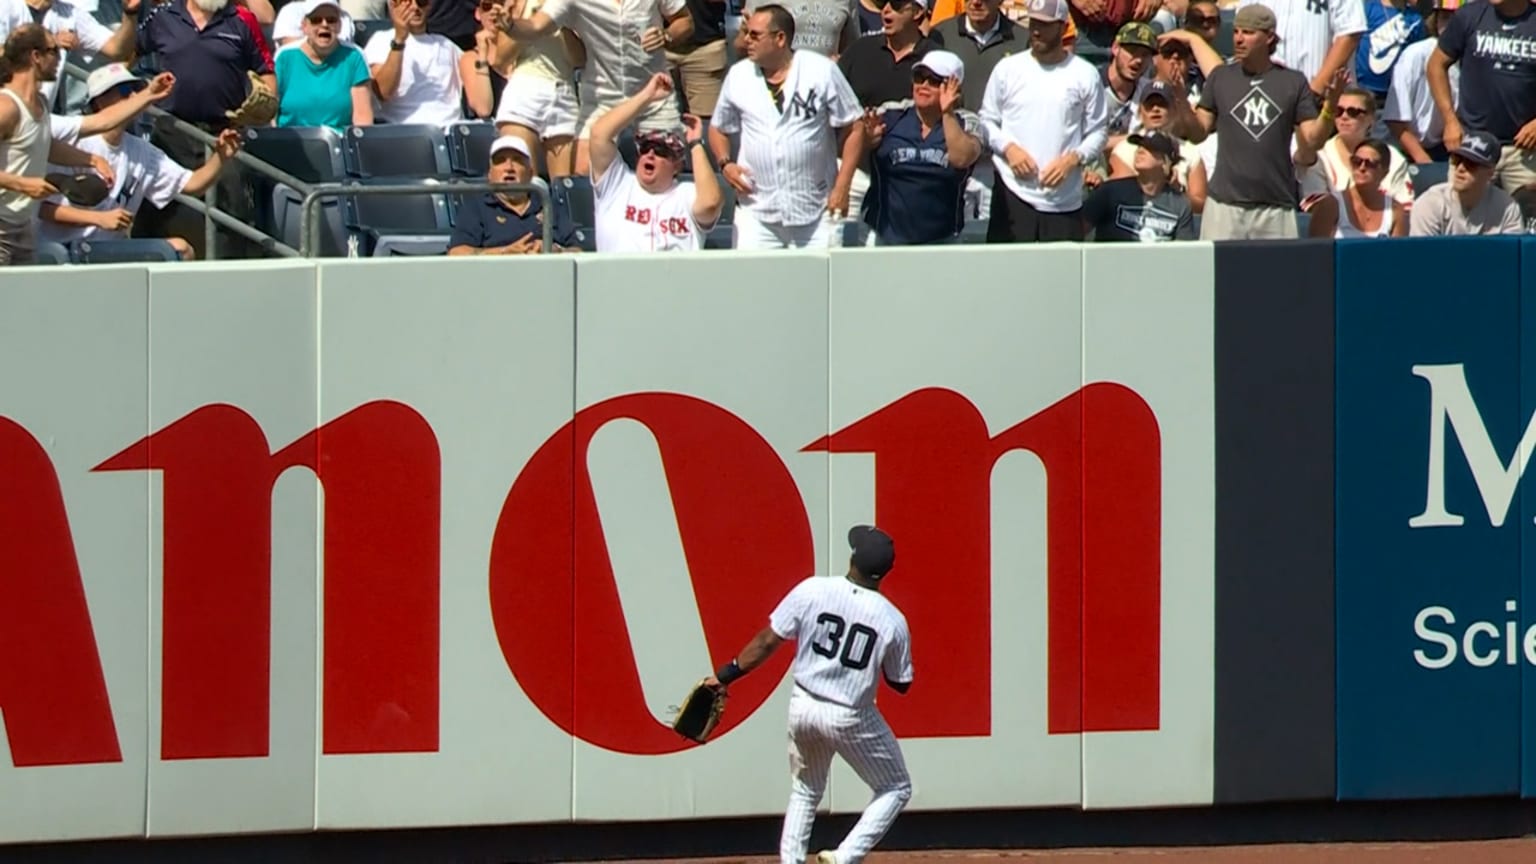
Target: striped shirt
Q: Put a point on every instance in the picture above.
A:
(790, 152)
(846, 638)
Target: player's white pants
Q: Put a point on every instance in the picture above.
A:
(819, 730)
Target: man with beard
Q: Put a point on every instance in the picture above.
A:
(801, 138)
(647, 209)
(981, 38)
(1125, 76)
(27, 146)
(1038, 194)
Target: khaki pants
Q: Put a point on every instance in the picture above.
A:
(18, 244)
(1232, 222)
(703, 71)
(1516, 168)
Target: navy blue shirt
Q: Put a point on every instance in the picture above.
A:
(210, 65)
(1497, 56)
(915, 195)
(488, 222)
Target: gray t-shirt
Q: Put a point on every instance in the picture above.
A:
(1437, 213)
(819, 24)
(1256, 119)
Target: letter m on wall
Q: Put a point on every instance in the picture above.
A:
(380, 468)
(1451, 404)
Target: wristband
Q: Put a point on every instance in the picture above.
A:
(729, 672)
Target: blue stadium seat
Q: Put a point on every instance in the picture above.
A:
(469, 148)
(401, 151)
(722, 236)
(575, 196)
(312, 154)
(287, 206)
(366, 27)
(410, 245)
(120, 251)
(53, 254)
(374, 217)
(1427, 175)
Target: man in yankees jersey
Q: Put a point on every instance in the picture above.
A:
(648, 209)
(848, 636)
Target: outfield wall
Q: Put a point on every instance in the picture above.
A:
(392, 544)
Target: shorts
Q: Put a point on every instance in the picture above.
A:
(660, 116)
(545, 105)
(18, 244)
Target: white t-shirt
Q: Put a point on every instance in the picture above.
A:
(616, 66)
(1048, 111)
(790, 155)
(630, 219)
(289, 24)
(429, 90)
(142, 172)
(1409, 99)
(63, 16)
(846, 638)
(1307, 29)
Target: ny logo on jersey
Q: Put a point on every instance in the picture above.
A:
(1317, 7)
(803, 106)
(1256, 113)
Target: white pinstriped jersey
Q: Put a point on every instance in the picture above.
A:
(1307, 29)
(846, 638)
(790, 153)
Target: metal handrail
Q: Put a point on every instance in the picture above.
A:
(309, 224)
(212, 215)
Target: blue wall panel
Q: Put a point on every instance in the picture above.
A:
(1417, 716)
(1527, 613)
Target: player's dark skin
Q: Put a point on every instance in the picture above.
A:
(762, 646)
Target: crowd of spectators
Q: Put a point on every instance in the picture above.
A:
(1031, 120)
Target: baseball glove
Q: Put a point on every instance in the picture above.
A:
(259, 107)
(700, 712)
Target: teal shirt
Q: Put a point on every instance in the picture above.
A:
(318, 94)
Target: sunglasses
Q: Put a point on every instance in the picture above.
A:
(1354, 112)
(660, 148)
(1464, 162)
(1202, 20)
(325, 19)
(1362, 162)
(923, 76)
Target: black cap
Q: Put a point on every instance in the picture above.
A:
(1158, 142)
(85, 189)
(1161, 90)
(874, 552)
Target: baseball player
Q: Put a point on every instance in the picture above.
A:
(848, 636)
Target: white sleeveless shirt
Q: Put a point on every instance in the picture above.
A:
(25, 154)
(1347, 228)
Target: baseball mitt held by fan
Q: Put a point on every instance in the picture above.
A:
(700, 712)
(259, 107)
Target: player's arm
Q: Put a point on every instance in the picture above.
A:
(899, 686)
(752, 656)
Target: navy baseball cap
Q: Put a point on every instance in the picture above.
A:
(1479, 147)
(874, 552)
(1160, 90)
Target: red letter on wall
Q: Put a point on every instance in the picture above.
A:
(52, 691)
(380, 468)
(554, 599)
(933, 474)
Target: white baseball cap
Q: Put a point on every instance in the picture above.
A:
(944, 64)
(107, 77)
(313, 6)
(1047, 10)
(511, 142)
